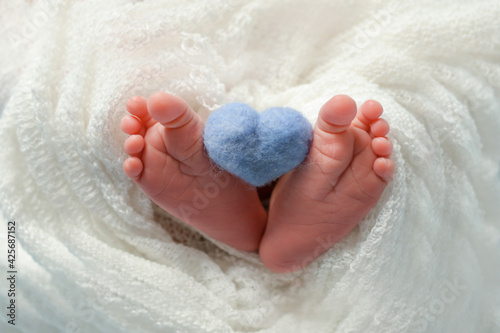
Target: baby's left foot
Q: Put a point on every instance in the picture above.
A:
(319, 203)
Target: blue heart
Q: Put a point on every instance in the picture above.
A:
(257, 147)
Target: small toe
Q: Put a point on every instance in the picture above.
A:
(371, 110)
(337, 114)
(137, 106)
(133, 167)
(169, 110)
(380, 127)
(131, 125)
(382, 146)
(384, 168)
(134, 145)
(367, 113)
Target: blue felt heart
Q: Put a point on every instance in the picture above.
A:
(257, 147)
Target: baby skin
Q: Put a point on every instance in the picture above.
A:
(311, 208)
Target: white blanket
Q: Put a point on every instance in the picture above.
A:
(94, 255)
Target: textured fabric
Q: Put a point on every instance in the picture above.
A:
(97, 256)
(257, 147)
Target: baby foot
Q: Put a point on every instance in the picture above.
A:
(168, 162)
(319, 203)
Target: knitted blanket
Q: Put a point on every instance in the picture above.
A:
(93, 254)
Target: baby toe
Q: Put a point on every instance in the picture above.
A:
(384, 168)
(133, 167)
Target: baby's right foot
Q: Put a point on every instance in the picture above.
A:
(168, 162)
(319, 203)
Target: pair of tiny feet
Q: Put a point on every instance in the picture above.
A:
(311, 208)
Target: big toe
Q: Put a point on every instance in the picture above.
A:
(169, 110)
(337, 114)
(182, 131)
